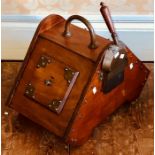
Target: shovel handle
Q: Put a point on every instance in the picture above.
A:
(108, 20)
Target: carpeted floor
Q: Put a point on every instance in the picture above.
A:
(129, 131)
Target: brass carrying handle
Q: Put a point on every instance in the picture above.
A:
(108, 20)
(67, 32)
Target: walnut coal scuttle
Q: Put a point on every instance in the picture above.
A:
(72, 79)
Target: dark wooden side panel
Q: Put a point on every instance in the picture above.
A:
(97, 106)
(56, 123)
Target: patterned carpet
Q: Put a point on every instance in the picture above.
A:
(129, 131)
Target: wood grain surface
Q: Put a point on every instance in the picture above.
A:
(129, 131)
(95, 107)
(51, 121)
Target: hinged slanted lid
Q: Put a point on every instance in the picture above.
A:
(77, 39)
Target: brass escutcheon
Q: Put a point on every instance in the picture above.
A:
(68, 74)
(29, 91)
(43, 61)
(54, 105)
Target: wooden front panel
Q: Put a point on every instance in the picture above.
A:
(56, 123)
(96, 105)
(46, 81)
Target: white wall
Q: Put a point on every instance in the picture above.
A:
(135, 31)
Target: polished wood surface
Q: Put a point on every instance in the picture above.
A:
(72, 52)
(95, 107)
(84, 108)
(78, 42)
(47, 23)
(31, 109)
(128, 131)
